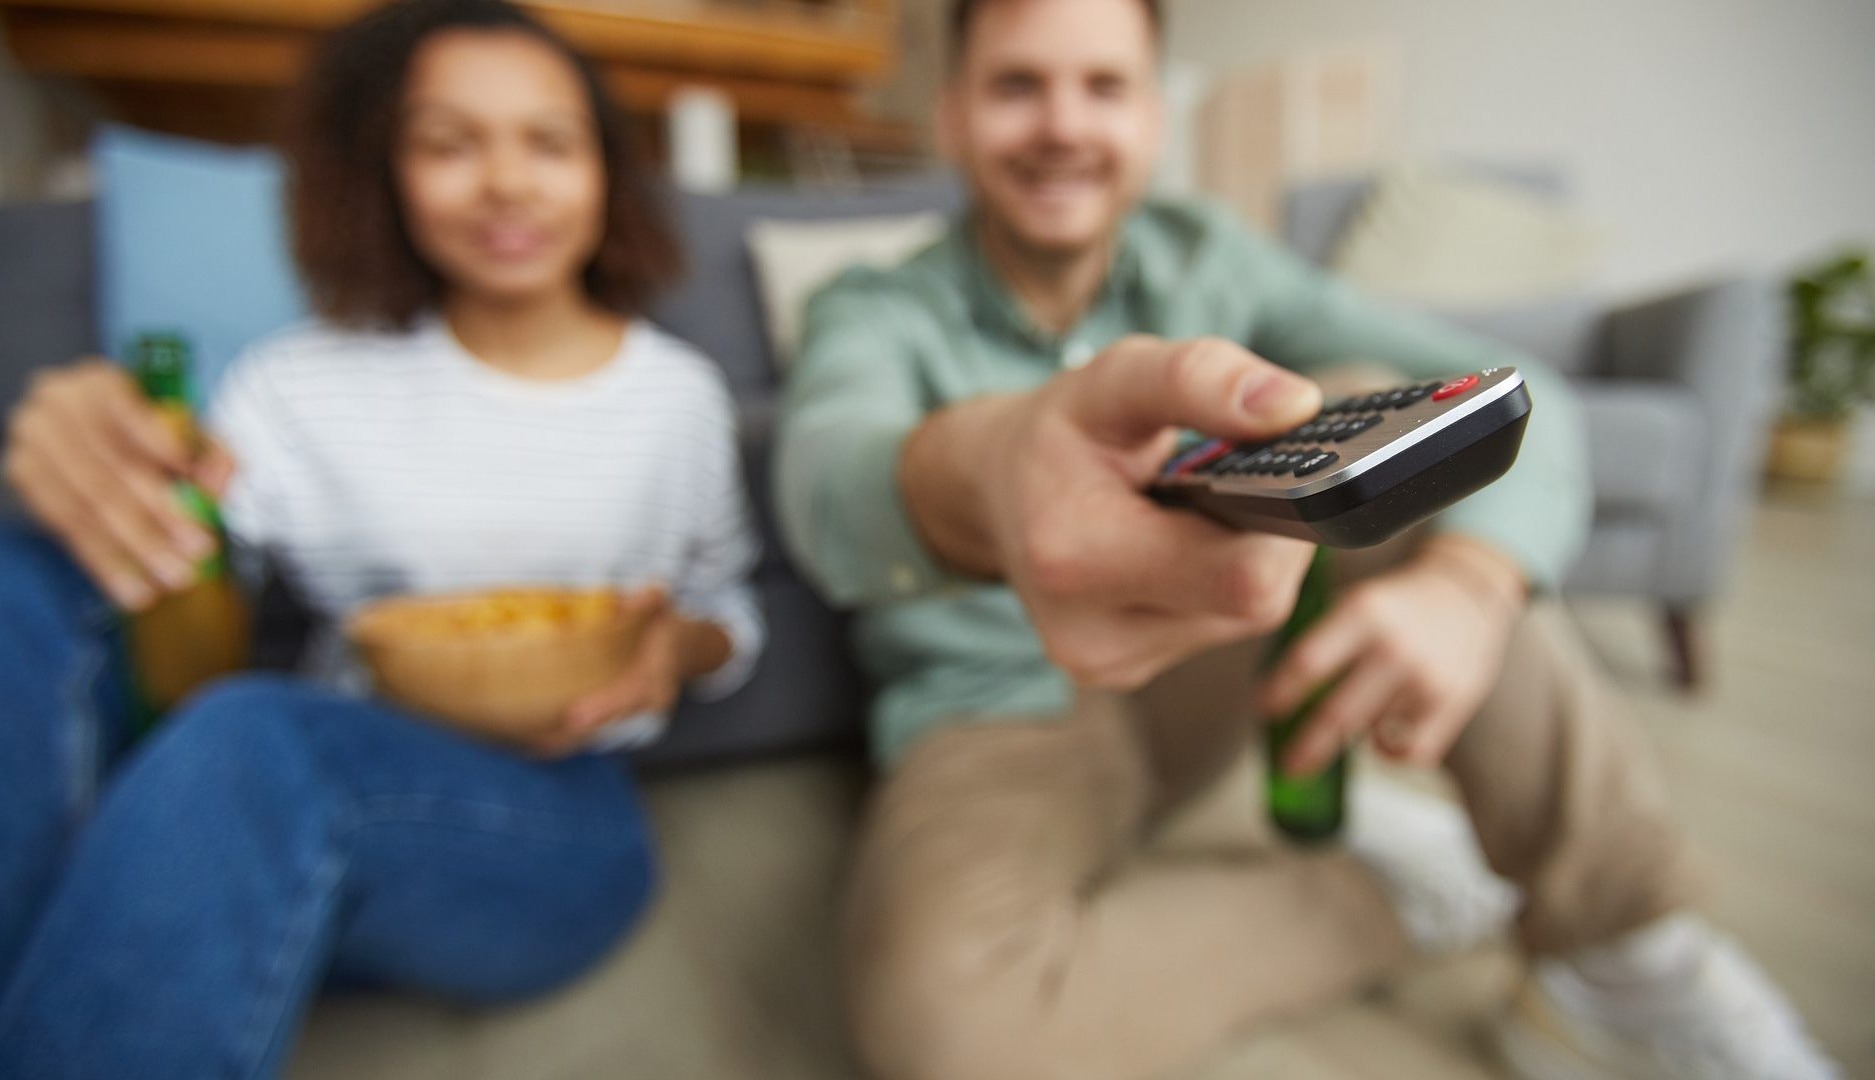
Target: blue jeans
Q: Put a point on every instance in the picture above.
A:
(172, 909)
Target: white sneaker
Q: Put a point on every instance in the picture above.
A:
(1426, 855)
(1710, 1015)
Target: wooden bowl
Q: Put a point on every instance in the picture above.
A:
(503, 663)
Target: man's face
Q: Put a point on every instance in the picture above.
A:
(1053, 114)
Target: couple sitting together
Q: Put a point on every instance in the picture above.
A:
(1060, 662)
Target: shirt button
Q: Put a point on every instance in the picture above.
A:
(1076, 354)
(904, 578)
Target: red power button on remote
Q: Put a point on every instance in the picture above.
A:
(1455, 387)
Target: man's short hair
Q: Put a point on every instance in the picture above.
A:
(964, 12)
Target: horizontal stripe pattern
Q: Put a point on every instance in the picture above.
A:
(376, 464)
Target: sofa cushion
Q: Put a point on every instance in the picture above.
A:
(1565, 333)
(793, 259)
(191, 237)
(1318, 212)
(1445, 237)
(719, 307)
(1646, 445)
(46, 310)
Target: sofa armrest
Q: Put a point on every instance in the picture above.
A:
(1723, 341)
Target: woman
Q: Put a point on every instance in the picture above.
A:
(480, 402)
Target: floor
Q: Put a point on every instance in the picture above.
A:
(1771, 765)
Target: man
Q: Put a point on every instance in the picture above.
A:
(963, 446)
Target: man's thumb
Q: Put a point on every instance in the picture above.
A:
(1141, 386)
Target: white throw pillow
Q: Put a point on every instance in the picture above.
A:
(1458, 241)
(794, 258)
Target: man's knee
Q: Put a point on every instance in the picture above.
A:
(937, 998)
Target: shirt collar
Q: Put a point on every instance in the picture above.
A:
(993, 306)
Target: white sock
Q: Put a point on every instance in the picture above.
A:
(1426, 856)
(1670, 947)
(1634, 983)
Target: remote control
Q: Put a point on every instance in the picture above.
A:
(1366, 468)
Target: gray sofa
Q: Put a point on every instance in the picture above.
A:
(1678, 392)
(804, 694)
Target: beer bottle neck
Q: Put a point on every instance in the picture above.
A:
(163, 384)
(1311, 600)
(161, 362)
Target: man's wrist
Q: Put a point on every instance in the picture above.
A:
(1482, 568)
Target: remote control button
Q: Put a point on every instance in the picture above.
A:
(1198, 457)
(1259, 461)
(1399, 399)
(1254, 459)
(1341, 429)
(1455, 387)
(1346, 404)
(1228, 463)
(1281, 464)
(1317, 463)
(1372, 401)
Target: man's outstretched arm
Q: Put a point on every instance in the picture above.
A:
(1043, 490)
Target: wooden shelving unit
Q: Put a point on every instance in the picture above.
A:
(216, 68)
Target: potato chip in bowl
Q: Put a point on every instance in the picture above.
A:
(504, 663)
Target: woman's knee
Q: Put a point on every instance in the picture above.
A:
(240, 734)
(555, 942)
(230, 715)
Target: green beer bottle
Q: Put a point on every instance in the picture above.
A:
(185, 638)
(1307, 809)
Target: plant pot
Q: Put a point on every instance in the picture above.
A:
(1812, 451)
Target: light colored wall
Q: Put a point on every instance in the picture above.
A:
(1706, 134)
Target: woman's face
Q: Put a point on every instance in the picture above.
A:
(499, 166)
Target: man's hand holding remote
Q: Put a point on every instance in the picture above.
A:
(1044, 489)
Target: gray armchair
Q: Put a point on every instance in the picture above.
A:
(1677, 392)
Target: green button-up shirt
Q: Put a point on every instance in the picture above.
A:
(884, 348)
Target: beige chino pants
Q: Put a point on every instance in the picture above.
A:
(1008, 918)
